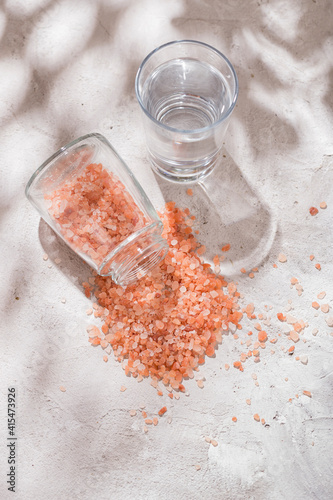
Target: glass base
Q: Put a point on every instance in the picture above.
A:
(182, 173)
(135, 258)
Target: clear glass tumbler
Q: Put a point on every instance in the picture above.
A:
(91, 199)
(187, 91)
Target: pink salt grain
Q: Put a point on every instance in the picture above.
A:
(282, 258)
(201, 250)
(164, 325)
(226, 248)
(94, 212)
(294, 336)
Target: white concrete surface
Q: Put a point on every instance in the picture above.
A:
(67, 68)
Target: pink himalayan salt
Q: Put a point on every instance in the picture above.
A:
(165, 331)
(94, 212)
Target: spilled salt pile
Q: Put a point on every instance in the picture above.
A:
(165, 324)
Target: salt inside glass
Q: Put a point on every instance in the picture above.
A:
(91, 199)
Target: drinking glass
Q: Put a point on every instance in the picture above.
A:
(187, 91)
(91, 199)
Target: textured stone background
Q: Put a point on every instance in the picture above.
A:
(67, 68)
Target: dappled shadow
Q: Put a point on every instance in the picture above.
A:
(50, 41)
(272, 46)
(67, 261)
(70, 80)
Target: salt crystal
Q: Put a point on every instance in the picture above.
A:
(282, 257)
(285, 328)
(232, 327)
(304, 359)
(294, 336)
(329, 321)
(290, 319)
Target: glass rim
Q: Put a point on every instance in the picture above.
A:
(68, 146)
(58, 153)
(130, 239)
(185, 131)
(99, 137)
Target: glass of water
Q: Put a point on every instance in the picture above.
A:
(187, 91)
